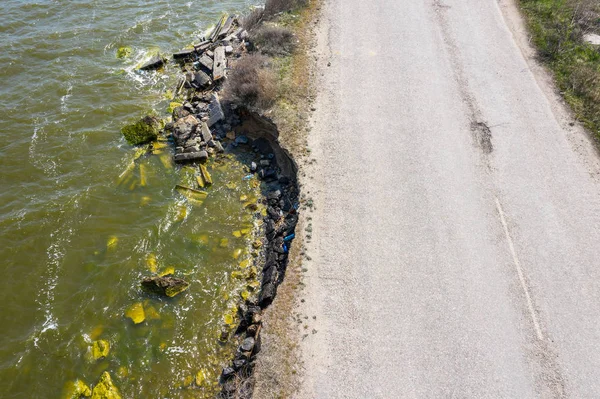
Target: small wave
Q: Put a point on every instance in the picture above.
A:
(63, 100)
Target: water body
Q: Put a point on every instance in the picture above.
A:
(74, 243)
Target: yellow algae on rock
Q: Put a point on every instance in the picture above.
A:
(151, 262)
(237, 234)
(236, 254)
(244, 264)
(136, 313)
(224, 243)
(257, 244)
(76, 389)
(145, 200)
(105, 389)
(100, 349)
(243, 198)
(200, 181)
(172, 106)
(123, 52)
(205, 175)
(244, 231)
(166, 160)
(245, 295)
(168, 270)
(228, 319)
(112, 242)
(143, 179)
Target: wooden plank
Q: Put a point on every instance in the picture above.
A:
(225, 28)
(203, 46)
(215, 33)
(219, 64)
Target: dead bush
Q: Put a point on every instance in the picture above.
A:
(253, 19)
(252, 82)
(273, 40)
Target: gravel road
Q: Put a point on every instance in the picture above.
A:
(456, 242)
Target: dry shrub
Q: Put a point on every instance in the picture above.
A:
(273, 7)
(274, 40)
(252, 82)
(253, 19)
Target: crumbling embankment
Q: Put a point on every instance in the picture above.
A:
(203, 126)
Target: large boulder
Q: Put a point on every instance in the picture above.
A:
(165, 285)
(143, 131)
(184, 128)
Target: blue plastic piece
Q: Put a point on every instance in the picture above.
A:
(290, 237)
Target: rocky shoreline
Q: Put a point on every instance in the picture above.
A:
(203, 126)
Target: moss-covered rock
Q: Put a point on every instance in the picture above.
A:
(143, 131)
(77, 389)
(105, 389)
(136, 313)
(165, 285)
(100, 349)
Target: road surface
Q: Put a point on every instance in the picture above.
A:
(456, 242)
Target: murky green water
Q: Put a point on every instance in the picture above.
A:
(75, 237)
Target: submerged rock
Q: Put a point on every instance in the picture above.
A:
(124, 52)
(105, 389)
(100, 349)
(143, 131)
(154, 63)
(136, 313)
(165, 285)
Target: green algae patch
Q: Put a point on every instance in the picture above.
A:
(76, 390)
(206, 177)
(100, 349)
(143, 131)
(172, 106)
(191, 194)
(124, 52)
(136, 313)
(105, 389)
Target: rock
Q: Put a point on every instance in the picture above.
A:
(154, 63)
(184, 128)
(241, 139)
(227, 373)
(198, 80)
(100, 349)
(178, 150)
(267, 295)
(165, 285)
(247, 345)
(265, 162)
(253, 167)
(230, 135)
(215, 110)
(239, 363)
(105, 389)
(244, 35)
(592, 38)
(219, 146)
(228, 49)
(136, 313)
(180, 112)
(193, 148)
(205, 133)
(191, 157)
(143, 131)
